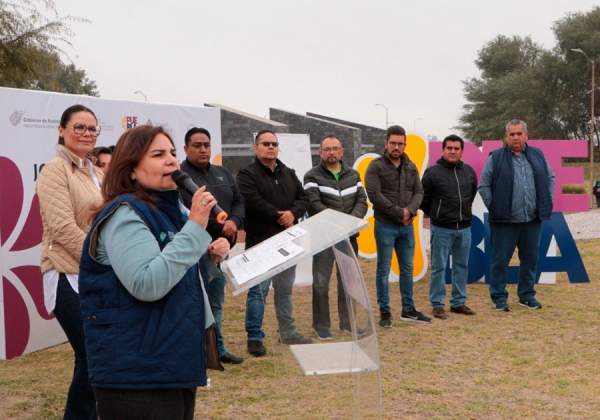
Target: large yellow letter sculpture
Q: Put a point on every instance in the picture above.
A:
(418, 151)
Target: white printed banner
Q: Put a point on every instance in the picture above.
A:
(28, 137)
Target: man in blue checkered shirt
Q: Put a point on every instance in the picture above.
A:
(517, 187)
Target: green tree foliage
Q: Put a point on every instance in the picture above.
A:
(581, 31)
(546, 88)
(55, 76)
(31, 46)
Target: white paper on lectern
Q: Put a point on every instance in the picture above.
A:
(267, 255)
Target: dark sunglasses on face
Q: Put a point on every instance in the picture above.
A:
(269, 143)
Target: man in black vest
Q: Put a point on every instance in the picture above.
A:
(517, 187)
(221, 184)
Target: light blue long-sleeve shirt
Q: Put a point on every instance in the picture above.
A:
(524, 197)
(126, 243)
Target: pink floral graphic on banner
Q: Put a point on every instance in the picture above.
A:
(17, 320)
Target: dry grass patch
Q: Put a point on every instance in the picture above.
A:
(523, 364)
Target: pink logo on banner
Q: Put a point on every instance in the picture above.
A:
(17, 321)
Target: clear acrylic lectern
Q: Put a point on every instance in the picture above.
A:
(359, 355)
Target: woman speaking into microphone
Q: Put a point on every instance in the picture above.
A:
(143, 280)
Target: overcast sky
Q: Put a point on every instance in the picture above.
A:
(336, 58)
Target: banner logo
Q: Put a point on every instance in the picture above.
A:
(128, 122)
(16, 117)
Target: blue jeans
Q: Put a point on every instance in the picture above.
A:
(443, 242)
(216, 294)
(322, 268)
(505, 237)
(400, 238)
(255, 305)
(81, 403)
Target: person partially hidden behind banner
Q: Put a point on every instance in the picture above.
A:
(68, 186)
(596, 192)
(334, 185)
(144, 273)
(103, 156)
(450, 186)
(221, 184)
(274, 200)
(517, 187)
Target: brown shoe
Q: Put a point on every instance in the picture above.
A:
(463, 309)
(439, 313)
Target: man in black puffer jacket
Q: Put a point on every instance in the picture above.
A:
(332, 185)
(450, 186)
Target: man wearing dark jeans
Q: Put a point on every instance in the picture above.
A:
(334, 185)
(450, 187)
(393, 186)
(275, 200)
(221, 184)
(517, 187)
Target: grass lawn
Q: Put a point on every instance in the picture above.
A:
(523, 364)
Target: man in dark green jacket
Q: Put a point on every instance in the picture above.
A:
(332, 185)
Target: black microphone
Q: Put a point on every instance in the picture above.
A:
(184, 182)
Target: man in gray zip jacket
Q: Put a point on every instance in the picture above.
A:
(450, 186)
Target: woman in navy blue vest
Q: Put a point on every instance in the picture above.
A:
(143, 279)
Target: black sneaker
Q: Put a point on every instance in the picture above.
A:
(501, 307)
(531, 304)
(415, 316)
(324, 335)
(256, 348)
(231, 358)
(295, 339)
(359, 331)
(385, 319)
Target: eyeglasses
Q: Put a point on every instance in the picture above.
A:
(329, 149)
(80, 129)
(396, 143)
(269, 143)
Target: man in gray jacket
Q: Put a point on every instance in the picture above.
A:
(332, 184)
(394, 189)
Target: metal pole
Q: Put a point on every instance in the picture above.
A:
(415, 124)
(386, 115)
(141, 93)
(580, 51)
(592, 182)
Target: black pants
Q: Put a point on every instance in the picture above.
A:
(81, 404)
(146, 404)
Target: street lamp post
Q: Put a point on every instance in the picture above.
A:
(415, 124)
(578, 50)
(141, 93)
(386, 115)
